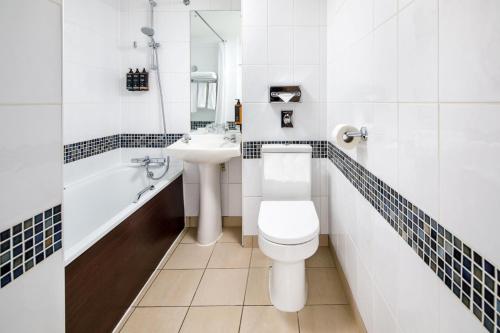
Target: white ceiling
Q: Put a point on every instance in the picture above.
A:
(226, 23)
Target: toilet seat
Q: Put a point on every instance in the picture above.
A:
(288, 222)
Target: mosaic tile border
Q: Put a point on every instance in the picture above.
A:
(473, 279)
(28, 243)
(80, 150)
(200, 124)
(252, 149)
(147, 140)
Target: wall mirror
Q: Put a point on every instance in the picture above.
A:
(215, 69)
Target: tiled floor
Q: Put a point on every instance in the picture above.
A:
(223, 288)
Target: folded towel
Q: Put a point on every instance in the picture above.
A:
(202, 95)
(212, 96)
(203, 76)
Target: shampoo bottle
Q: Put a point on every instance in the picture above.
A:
(238, 109)
(130, 80)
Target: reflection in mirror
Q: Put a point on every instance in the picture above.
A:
(215, 70)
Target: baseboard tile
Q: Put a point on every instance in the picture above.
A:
(227, 221)
(347, 288)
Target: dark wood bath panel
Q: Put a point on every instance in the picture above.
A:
(103, 281)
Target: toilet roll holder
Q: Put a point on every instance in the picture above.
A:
(362, 133)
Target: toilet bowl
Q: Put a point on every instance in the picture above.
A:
(288, 234)
(288, 224)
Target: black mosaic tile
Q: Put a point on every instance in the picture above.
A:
(17, 259)
(471, 277)
(77, 151)
(252, 149)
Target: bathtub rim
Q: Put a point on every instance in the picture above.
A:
(69, 255)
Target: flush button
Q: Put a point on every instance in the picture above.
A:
(286, 118)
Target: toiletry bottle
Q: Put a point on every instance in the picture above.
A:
(136, 80)
(130, 80)
(238, 108)
(144, 80)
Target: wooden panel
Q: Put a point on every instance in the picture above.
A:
(103, 281)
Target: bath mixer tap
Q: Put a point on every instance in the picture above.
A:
(148, 161)
(186, 138)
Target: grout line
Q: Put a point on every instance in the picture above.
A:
(197, 287)
(246, 288)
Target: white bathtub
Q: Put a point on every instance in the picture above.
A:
(95, 205)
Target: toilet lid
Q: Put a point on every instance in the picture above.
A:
(288, 222)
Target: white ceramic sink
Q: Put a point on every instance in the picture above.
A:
(208, 151)
(205, 148)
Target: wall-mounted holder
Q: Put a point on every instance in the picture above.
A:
(362, 133)
(284, 94)
(286, 118)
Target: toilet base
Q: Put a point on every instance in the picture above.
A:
(288, 285)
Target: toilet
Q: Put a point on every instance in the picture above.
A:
(288, 223)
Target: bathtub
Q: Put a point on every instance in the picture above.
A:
(97, 204)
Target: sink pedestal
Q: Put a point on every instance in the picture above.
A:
(210, 219)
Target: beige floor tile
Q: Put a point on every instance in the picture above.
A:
(265, 319)
(231, 235)
(172, 288)
(324, 286)
(328, 319)
(230, 255)
(259, 259)
(153, 320)
(212, 319)
(189, 256)
(258, 287)
(221, 287)
(190, 236)
(322, 258)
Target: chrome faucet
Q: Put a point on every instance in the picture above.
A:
(186, 138)
(231, 137)
(140, 194)
(145, 161)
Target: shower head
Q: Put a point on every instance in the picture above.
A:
(148, 31)
(187, 2)
(152, 3)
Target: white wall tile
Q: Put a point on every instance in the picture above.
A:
(306, 46)
(252, 176)
(235, 200)
(254, 45)
(254, 12)
(235, 165)
(469, 50)
(280, 12)
(418, 52)
(469, 154)
(385, 53)
(256, 85)
(380, 153)
(418, 156)
(306, 12)
(191, 199)
(416, 285)
(251, 206)
(280, 46)
(34, 70)
(31, 174)
(383, 10)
